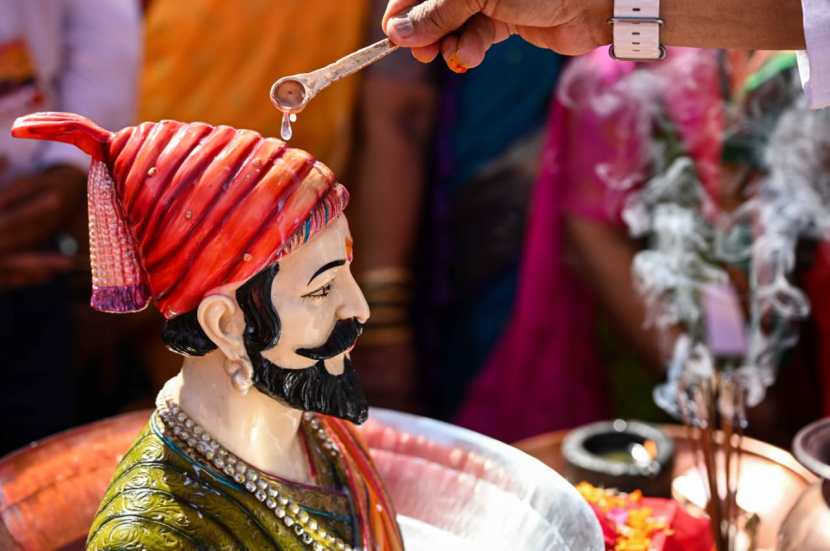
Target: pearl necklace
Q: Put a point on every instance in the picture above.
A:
(194, 439)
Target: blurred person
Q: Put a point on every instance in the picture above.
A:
(396, 121)
(549, 371)
(54, 55)
(488, 139)
(442, 274)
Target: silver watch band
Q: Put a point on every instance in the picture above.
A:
(637, 30)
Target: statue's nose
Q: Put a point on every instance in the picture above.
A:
(354, 303)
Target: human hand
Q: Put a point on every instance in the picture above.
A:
(463, 30)
(34, 208)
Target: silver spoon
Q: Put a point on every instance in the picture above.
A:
(292, 93)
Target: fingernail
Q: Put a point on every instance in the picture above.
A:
(455, 64)
(401, 27)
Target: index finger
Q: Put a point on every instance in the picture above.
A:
(416, 24)
(396, 7)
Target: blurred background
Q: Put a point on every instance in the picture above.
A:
(491, 250)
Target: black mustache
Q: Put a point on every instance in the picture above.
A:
(343, 336)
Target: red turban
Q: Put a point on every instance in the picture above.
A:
(178, 209)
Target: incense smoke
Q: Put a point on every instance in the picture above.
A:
(689, 243)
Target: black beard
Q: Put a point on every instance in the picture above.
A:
(313, 388)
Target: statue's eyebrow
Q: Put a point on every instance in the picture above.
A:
(326, 267)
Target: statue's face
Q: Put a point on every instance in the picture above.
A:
(303, 316)
(289, 329)
(312, 291)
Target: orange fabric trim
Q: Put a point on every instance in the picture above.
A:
(379, 528)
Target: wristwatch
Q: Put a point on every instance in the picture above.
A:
(637, 31)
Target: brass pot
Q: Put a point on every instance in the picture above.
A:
(807, 526)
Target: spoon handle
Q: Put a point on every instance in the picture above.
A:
(292, 93)
(351, 63)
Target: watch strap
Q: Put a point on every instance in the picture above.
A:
(637, 30)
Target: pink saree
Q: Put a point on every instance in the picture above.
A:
(545, 373)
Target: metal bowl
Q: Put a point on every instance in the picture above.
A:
(807, 526)
(455, 489)
(627, 455)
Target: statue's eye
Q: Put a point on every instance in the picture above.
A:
(320, 293)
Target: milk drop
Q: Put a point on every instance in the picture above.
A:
(285, 130)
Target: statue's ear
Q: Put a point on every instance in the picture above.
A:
(222, 321)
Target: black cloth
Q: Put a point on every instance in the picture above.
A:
(38, 394)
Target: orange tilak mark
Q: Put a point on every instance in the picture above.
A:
(455, 65)
(349, 249)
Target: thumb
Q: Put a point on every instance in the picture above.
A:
(426, 22)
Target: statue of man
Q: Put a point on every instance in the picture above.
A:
(241, 243)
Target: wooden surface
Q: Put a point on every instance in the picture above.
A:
(770, 483)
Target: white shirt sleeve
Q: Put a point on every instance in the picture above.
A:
(814, 64)
(98, 77)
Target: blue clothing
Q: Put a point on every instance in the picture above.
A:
(479, 202)
(485, 110)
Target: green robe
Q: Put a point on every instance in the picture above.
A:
(162, 499)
